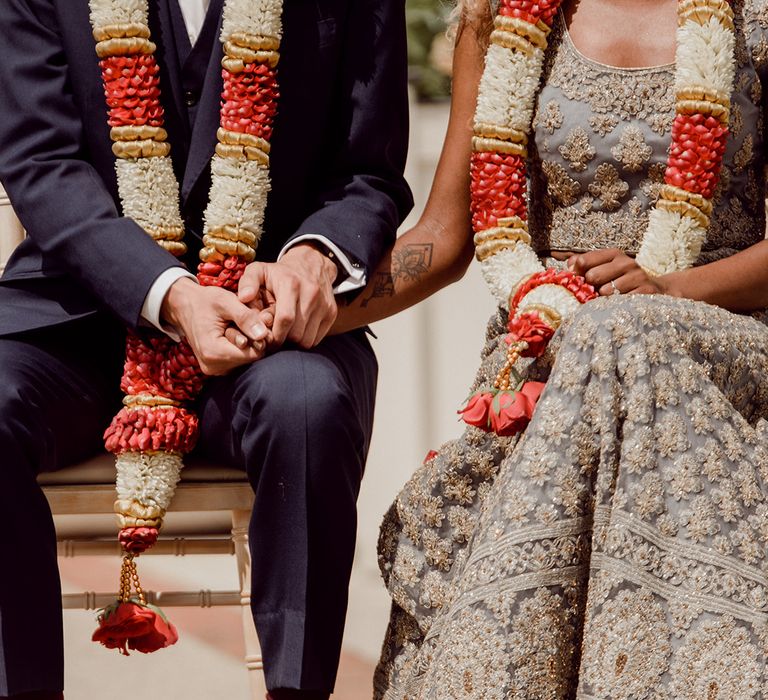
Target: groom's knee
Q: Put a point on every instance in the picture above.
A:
(298, 400)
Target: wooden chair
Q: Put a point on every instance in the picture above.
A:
(209, 515)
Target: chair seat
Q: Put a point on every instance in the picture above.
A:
(101, 470)
(89, 487)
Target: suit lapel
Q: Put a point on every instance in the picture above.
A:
(169, 59)
(207, 120)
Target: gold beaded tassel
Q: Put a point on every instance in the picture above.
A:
(129, 582)
(502, 381)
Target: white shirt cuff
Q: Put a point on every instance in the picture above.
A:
(153, 302)
(356, 277)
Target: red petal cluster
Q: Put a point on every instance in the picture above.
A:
(137, 540)
(249, 100)
(502, 412)
(530, 10)
(132, 88)
(430, 456)
(530, 328)
(575, 284)
(130, 625)
(180, 377)
(160, 366)
(167, 429)
(143, 357)
(498, 188)
(696, 153)
(225, 274)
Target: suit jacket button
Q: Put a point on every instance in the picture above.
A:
(191, 98)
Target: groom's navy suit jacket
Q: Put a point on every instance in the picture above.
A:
(337, 159)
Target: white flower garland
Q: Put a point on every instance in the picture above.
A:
(149, 194)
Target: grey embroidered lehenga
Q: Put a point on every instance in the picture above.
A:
(618, 548)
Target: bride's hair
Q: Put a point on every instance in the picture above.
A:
(478, 13)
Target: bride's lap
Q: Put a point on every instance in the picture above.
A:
(635, 497)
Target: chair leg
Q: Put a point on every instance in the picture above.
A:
(253, 660)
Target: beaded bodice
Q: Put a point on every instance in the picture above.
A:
(601, 135)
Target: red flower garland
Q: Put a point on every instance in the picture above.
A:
(531, 11)
(498, 188)
(503, 409)
(159, 376)
(249, 100)
(696, 153)
(132, 89)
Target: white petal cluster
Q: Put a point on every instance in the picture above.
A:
(149, 191)
(705, 56)
(239, 190)
(672, 242)
(505, 270)
(553, 296)
(106, 12)
(256, 17)
(507, 90)
(149, 479)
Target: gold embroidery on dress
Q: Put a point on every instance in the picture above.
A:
(651, 186)
(577, 149)
(737, 116)
(603, 124)
(631, 94)
(608, 187)
(632, 151)
(561, 186)
(630, 648)
(745, 154)
(718, 660)
(550, 118)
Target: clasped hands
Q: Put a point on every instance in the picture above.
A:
(290, 300)
(611, 271)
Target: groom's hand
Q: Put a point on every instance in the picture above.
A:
(203, 315)
(301, 284)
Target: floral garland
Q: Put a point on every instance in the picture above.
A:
(540, 299)
(153, 431)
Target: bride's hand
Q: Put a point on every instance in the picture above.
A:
(612, 271)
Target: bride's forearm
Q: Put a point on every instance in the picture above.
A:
(438, 249)
(419, 264)
(738, 283)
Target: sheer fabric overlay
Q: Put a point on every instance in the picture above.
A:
(617, 549)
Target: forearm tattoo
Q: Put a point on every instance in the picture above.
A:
(383, 286)
(412, 261)
(409, 263)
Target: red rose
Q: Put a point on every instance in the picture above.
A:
(511, 411)
(532, 391)
(130, 625)
(476, 411)
(532, 329)
(163, 634)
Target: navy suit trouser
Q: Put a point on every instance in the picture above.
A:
(298, 422)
